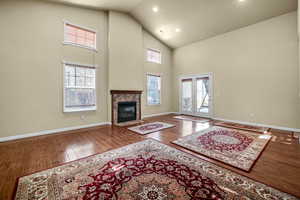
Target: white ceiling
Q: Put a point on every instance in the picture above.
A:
(197, 19)
(200, 19)
(120, 5)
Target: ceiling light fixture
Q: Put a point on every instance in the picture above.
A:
(155, 9)
(177, 30)
(241, 0)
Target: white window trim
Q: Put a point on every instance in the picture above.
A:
(79, 109)
(75, 44)
(157, 50)
(160, 99)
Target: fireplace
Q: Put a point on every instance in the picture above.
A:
(126, 111)
(125, 107)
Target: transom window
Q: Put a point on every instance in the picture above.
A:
(154, 56)
(79, 87)
(79, 36)
(153, 89)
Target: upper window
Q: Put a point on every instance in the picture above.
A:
(79, 88)
(153, 89)
(153, 56)
(79, 36)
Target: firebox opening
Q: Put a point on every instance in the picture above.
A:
(126, 111)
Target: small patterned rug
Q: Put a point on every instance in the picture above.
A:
(234, 147)
(181, 117)
(297, 136)
(242, 126)
(150, 127)
(146, 170)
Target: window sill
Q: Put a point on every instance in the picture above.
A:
(159, 104)
(80, 109)
(81, 46)
(153, 62)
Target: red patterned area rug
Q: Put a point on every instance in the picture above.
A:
(150, 127)
(234, 147)
(142, 171)
(242, 126)
(181, 117)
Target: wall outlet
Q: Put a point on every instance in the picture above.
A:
(252, 115)
(82, 117)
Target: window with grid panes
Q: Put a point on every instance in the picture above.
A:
(154, 56)
(79, 36)
(79, 87)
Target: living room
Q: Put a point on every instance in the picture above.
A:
(203, 84)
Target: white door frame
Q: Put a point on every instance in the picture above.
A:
(194, 94)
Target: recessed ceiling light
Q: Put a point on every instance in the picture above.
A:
(178, 30)
(241, 0)
(155, 9)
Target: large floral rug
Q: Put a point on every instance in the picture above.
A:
(150, 127)
(182, 117)
(235, 147)
(142, 171)
(242, 126)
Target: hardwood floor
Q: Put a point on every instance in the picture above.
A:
(278, 166)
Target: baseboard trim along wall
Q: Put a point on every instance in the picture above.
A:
(48, 132)
(158, 114)
(250, 123)
(258, 124)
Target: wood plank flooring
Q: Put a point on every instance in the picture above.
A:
(278, 166)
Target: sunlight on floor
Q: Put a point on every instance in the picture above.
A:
(202, 126)
(76, 151)
(187, 128)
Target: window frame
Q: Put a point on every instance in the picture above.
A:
(75, 44)
(160, 91)
(156, 50)
(79, 109)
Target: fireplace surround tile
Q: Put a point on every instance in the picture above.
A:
(125, 96)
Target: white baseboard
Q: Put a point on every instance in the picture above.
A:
(157, 114)
(253, 124)
(47, 132)
(258, 124)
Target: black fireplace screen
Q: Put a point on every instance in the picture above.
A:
(126, 111)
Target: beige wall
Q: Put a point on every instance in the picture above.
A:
(127, 62)
(165, 70)
(125, 52)
(31, 72)
(255, 71)
(32, 52)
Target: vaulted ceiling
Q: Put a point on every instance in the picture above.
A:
(120, 5)
(181, 22)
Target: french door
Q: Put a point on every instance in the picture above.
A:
(195, 95)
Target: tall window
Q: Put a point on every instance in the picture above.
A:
(153, 89)
(79, 88)
(153, 56)
(79, 36)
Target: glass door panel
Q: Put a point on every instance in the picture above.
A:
(187, 95)
(202, 97)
